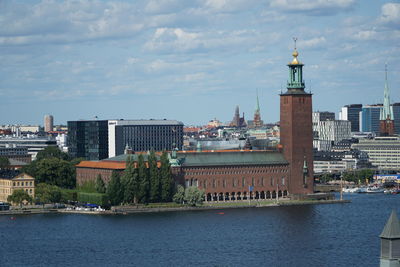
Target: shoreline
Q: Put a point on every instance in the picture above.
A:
(125, 210)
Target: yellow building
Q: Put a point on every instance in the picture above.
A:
(21, 181)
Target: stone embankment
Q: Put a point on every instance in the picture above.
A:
(124, 210)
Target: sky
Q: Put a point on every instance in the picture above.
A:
(191, 61)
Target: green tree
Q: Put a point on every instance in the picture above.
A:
(143, 180)
(4, 163)
(19, 196)
(114, 190)
(154, 178)
(31, 168)
(51, 152)
(100, 186)
(55, 171)
(194, 196)
(46, 193)
(179, 196)
(167, 182)
(129, 181)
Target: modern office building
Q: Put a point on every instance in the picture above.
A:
(369, 118)
(88, 139)
(351, 113)
(33, 144)
(327, 131)
(100, 139)
(144, 135)
(396, 114)
(48, 123)
(383, 152)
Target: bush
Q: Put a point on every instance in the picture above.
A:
(194, 196)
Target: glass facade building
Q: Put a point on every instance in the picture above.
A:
(396, 115)
(88, 139)
(352, 113)
(369, 119)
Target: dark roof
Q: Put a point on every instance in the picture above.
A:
(230, 158)
(392, 227)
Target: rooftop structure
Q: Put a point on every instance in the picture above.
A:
(390, 242)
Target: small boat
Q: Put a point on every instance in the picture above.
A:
(374, 189)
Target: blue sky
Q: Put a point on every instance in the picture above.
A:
(190, 60)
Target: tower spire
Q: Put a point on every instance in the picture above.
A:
(387, 111)
(257, 116)
(386, 115)
(295, 82)
(258, 103)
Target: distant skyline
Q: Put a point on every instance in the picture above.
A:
(190, 61)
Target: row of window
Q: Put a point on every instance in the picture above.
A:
(235, 182)
(238, 171)
(22, 183)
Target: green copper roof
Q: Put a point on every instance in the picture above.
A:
(387, 110)
(230, 158)
(392, 227)
(134, 157)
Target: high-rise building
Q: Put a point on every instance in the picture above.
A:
(296, 130)
(144, 135)
(369, 118)
(351, 113)
(100, 139)
(386, 116)
(48, 123)
(88, 139)
(396, 114)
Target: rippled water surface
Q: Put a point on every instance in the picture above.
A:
(314, 235)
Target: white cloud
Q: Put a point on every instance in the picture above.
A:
(175, 39)
(391, 14)
(312, 43)
(226, 6)
(313, 7)
(366, 35)
(191, 77)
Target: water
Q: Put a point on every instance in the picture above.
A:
(314, 235)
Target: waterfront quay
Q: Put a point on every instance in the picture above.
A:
(130, 209)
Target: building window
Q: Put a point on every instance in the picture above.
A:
(262, 181)
(252, 181)
(243, 182)
(233, 182)
(224, 183)
(283, 180)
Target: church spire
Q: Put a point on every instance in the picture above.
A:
(257, 116)
(257, 104)
(387, 110)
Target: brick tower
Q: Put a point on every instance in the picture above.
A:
(296, 130)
